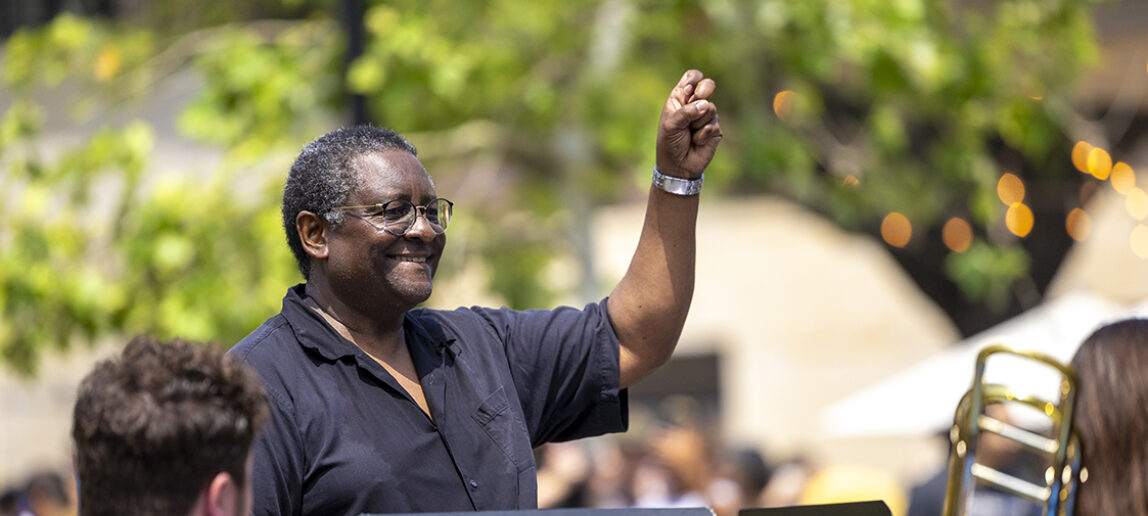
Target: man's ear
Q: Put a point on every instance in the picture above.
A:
(222, 496)
(313, 233)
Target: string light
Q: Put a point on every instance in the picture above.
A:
(1139, 241)
(1078, 224)
(1136, 203)
(957, 235)
(1123, 177)
(1019, 219)
(1010, 189)
(896, 229)
(1099, 163)
(1080, 153)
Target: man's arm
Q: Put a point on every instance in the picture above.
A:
(650, 303)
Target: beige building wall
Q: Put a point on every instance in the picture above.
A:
(801, 314)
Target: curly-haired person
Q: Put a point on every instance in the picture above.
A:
(167, 428)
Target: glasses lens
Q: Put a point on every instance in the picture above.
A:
(397, 215)
(438, 214)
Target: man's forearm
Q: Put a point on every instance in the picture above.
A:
(650, 303)
(649, 306)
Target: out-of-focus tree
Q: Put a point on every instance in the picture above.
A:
(537, 112)
(900, 119)
(94, 242)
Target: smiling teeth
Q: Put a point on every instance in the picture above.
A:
(415, 259)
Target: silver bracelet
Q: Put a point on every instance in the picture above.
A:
(677, 185)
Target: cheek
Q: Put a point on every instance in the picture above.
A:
(440, 245)
(352, 264)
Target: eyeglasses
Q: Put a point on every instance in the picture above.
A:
(398, 216)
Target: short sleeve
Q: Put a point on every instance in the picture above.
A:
(564, 365)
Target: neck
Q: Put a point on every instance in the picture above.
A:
(377, 331)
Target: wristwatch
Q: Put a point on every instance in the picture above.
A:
(677, 185)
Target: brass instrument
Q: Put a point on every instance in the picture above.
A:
(1059, 445)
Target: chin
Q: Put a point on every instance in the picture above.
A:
(415, 294)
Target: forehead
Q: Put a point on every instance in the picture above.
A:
(390, 175)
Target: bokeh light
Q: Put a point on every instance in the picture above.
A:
(782, 103)
(1136, 203)
(1010, 189)
(1080, 153)
(957, 235)
(1099, 163)
(1078, 224)
(1123, 177)
(107, 63)
(1019, 219)
(896, 230)
(1139, 241)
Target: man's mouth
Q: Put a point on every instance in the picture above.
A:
(413, 259)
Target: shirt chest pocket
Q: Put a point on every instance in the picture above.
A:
(498, 419)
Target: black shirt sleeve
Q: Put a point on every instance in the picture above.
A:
(564, 366)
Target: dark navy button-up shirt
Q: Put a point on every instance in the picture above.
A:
(344, 438)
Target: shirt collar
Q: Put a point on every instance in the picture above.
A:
(315, 333)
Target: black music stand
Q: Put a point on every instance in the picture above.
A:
(873, 508)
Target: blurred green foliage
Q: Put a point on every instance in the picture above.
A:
(895, 106)
(96, 242)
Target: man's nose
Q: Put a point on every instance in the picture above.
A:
(421, 229)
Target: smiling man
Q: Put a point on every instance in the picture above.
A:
(379, 406)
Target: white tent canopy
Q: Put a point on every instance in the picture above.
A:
(922, 399)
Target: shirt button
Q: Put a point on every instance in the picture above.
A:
(473, 483)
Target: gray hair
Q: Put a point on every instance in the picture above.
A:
(324, 175)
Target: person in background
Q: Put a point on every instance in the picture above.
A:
(167, 429)
(48, 494)
(677, 470)
(564, 471)
(1111, 419)
(10, 502)
(741, 476)
(787, 482)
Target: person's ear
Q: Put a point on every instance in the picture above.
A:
(313, 233)
(222, 496)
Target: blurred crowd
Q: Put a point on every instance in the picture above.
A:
(672, 457)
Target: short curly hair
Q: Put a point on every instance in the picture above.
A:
(155, 424)
(324, 175)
